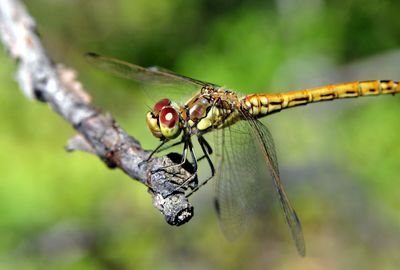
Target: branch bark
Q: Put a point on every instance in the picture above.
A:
(39, 78)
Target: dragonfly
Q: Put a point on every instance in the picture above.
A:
(245, 154)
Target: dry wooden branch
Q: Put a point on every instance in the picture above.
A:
(99, 134)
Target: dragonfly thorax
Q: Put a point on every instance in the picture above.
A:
(211, 109)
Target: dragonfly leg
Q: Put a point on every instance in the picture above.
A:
(207, 150)
(155, 151)
(152, 153)
(188, 146)
(183, 160)
(208, 147)
(166, 147)
(203, 143)
(161, 147)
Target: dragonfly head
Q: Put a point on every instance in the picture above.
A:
(164, 121)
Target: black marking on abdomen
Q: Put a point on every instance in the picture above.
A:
(276, 102)
(329, 96)
(300, 99)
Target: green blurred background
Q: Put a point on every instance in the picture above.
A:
(339, 160)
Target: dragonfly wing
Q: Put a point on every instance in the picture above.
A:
(161, 82)
(184, 78)
(264, 138)
(242, 151)
(236, 177)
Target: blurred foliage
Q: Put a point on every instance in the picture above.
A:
(340, 161)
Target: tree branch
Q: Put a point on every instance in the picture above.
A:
(99, 133)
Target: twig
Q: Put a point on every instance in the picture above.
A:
(99, 133)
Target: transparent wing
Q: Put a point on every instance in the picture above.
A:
(236, 179)
(181, 77)
(264, 138)
(154, 78)
(245, 153)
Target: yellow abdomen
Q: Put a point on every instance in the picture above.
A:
(260, 105)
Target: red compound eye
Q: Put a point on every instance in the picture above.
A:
(168, 117)
(160, 105)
